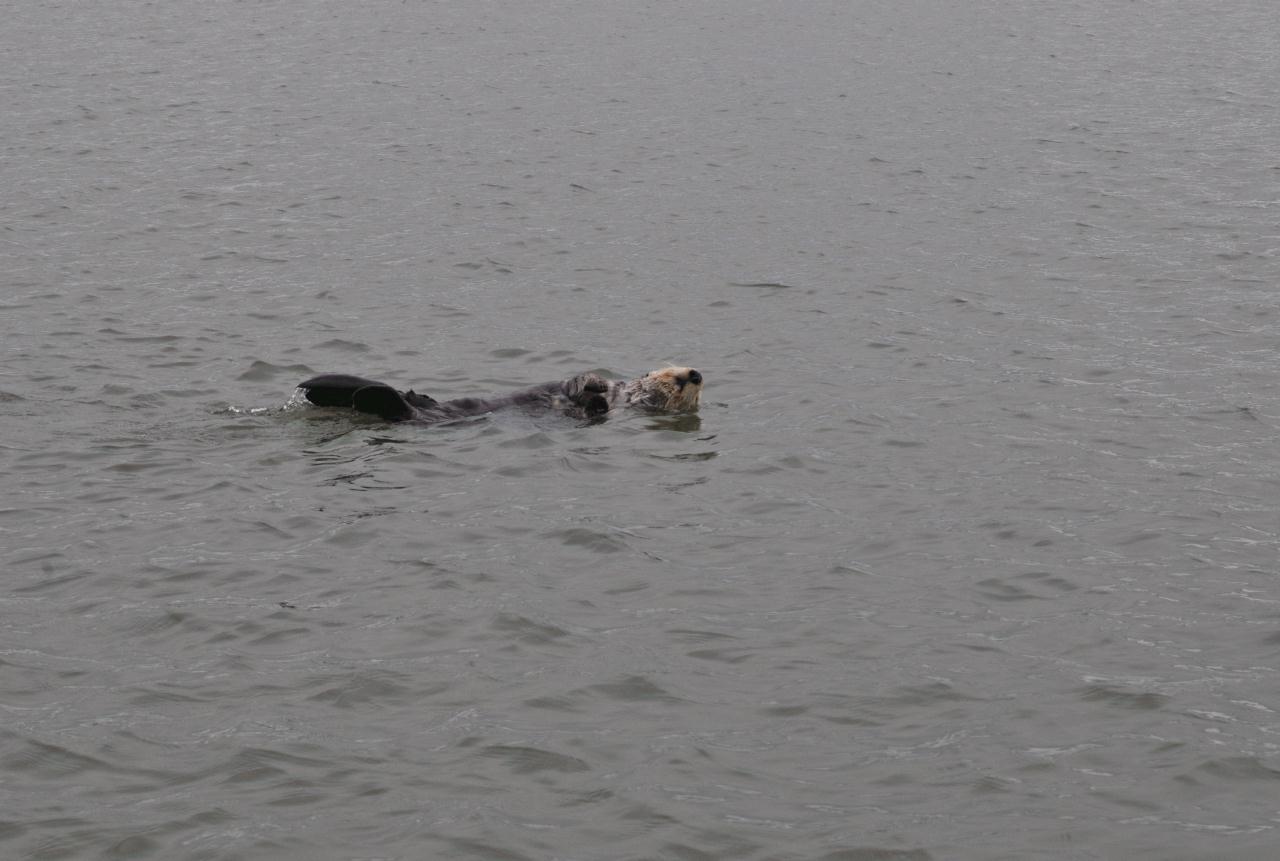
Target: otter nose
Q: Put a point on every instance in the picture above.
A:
(695, 377)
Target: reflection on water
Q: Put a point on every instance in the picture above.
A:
(681, 423)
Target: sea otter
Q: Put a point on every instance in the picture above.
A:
(587, 394)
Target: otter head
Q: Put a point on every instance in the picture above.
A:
(668, 389)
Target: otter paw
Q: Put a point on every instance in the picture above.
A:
(595, 405)
(587, 385)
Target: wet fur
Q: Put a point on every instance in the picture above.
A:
(589, 394)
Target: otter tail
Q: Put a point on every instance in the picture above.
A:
(366, 396)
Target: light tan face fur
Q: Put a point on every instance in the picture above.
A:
(669, 389)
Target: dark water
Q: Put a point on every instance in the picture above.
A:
(971, 552)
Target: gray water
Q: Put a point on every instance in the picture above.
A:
(970, 553)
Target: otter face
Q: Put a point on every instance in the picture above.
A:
(669, 389)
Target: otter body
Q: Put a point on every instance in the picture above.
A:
(587, 394)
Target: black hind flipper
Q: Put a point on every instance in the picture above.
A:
(334, 390)
(382, 401)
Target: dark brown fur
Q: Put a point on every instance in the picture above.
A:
(587, 394)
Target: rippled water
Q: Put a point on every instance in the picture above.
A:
(971, 552)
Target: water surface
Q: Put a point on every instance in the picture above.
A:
(969, 553)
